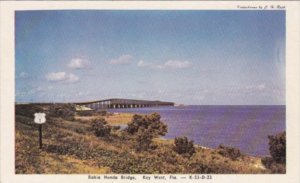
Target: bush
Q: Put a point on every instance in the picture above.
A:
(80, 130)
(184, 146)
(267, 162)
(143, 140)
(116, 127)
(85, 113)
(278, 168)
(202, 167)
(65, 111)
(28, 110)
(146, 127)
(277, 147)
(270, 164)
(136, 123)
(151, 123)
(230, 152)
(100, 127)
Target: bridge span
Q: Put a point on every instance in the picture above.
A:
(116, 103)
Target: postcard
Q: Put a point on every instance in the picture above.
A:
(150, 91)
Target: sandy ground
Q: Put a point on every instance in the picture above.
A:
(112, 119)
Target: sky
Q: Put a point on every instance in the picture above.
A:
(188, 57)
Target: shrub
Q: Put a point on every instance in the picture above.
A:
(146, 127)
(278, 168)
(184, 146)
(274, 167)
(267, 162)
(136, 122)
(202, 166)
(230, 152)
(65, 111)
(277, 147)
(116, 127)
(28, 110)
(85, 113)
(150, 122)
(100, 127)
(80, 130)
(143, 140)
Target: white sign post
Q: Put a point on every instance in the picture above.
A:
(40, 118)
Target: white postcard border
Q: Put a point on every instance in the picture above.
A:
(7, 82)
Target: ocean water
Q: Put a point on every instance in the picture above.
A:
(243, 127)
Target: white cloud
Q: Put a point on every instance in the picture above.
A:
(142, 63)
(171, 64)
(72, 78)
(177, 64)
(123, 59)
(56, 76)
(79, 63)
(62, 76)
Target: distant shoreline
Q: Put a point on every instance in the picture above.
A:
(184, 105)
(123, 116)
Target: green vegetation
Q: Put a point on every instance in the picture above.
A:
(150, 123)
(145, 128)
(277, 147)
(100, 127)
(85, 113)
(144, 140)
(92, 145)
(184, 146)
(230, 152)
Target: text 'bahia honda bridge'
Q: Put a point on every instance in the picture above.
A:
(116, 103)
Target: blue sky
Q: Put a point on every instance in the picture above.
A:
(189, 57)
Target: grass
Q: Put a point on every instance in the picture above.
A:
(119, 118)
(71, 147)
(115, 119)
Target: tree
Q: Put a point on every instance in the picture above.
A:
(150, 122)
(100, 127)
(184, 146)
(145, 128)
(143, 140)
(65, 111)
(277, 147)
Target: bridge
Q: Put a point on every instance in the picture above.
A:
(116, 103)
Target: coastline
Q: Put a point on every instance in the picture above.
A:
(79, 150)
(214, 125)
(123, 119)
